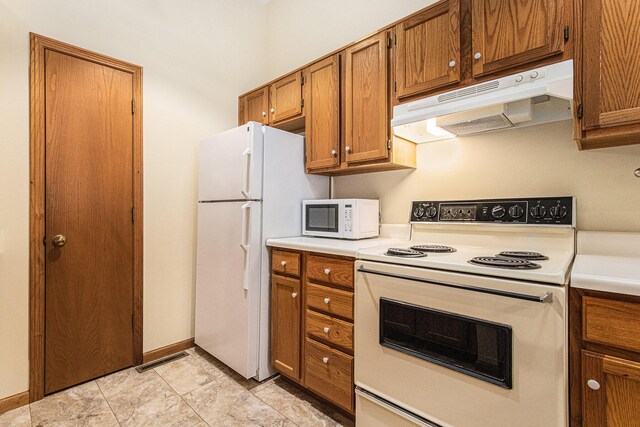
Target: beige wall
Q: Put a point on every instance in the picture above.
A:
(536, 161)
(196, 61)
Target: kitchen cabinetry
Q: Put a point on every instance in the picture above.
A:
(604, 359)
(508, 33)
(606, 93)
(286, 98)
(254, 106)
(428, 50)
(319, 325)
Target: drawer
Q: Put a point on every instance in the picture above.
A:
(330, 270)
(285, 262)
(330, 301)
(611, 322)
(329, 373)
(333, 331)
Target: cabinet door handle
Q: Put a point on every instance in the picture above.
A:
(264, 113)
(325, 360)
(327, 271)
(326, 300)
(593, 384)
(452, 64)
(273, 110)
(478, 55)
(326, 330)
(347, 149)
(293, 294)
(283, 263)
(334, 152)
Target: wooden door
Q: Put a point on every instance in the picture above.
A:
(508, 33)
(428, 49)
(322, 122)
(255, 106)
(286, 308)
(89, 200)
(366, 100)
(286, 98)
(610, 391)
(611, 57)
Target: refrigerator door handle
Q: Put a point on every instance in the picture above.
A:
(246, 210)
(246, 167)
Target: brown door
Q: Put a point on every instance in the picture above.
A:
(286, 307)
(508, 33)
(323, 114)
(286, 98)
(428, 49)
(255, 107)
(88, 220)
(610, 390)
(366, 100)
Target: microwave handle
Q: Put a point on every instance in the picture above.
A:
(546, 298)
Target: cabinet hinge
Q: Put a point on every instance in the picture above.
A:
(388, 144)
(389, 42)
(566, 33)
(395, 40)
(132, 322)
(580, 111)
(133, 106)
(395, 86)
(302, 102)
(44, 240)
(132, 216)
(302, 81)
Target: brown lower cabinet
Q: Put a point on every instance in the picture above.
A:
(604, 359)
(312, 323)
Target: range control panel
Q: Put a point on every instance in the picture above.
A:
(545, 210)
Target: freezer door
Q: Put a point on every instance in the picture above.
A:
(231, 165)
(228, 283)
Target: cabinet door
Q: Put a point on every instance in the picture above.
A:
(322, 121)
(286, 98)
(285, 325)
(255, 106)
(428, 49)
(611, 56)
(366, 100)
(508, 33)
(610, 391)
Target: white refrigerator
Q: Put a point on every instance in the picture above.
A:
(251, 185)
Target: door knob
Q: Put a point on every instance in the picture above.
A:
(327, 271)
(283, 263)
(326, 330)
(264, 114)
(334, 152)
(478, 55)
(452, 64)
(325, 360)
(326, 300)
(59, 241)
(347, 149)
(273, 110)
(593, 384)
(294, 294)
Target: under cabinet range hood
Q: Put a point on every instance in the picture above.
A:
(540, 95)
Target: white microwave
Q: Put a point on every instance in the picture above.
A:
(341, 218)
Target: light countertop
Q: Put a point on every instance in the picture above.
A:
(608, 262)
(389, 234)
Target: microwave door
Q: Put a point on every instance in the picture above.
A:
(322, 219)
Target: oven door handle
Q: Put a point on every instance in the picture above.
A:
(416, 419)
(546, 298)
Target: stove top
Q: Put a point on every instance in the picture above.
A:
(405, 253)
(438, 249)
(504, 262)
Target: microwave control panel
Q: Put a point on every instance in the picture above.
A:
(348, 218)
(534, 211)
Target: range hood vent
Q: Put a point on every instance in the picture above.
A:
(541, 95)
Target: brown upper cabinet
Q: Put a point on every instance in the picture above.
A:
(286, 98)
(254, 107)
(428, 49)
(367, 100)
(607, 88)
(322, 125)
(509, 33)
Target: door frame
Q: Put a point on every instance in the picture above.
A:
(39, 45)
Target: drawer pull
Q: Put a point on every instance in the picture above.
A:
(283, 263)
(327, 271)
(326, 300)
(326, 330)
(325, 360)
(293, 294)
(593, 384)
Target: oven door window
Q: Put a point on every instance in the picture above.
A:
(471, 346)
(322, 218)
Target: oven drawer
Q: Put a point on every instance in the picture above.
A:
(285, 262)
(611, 322)
(329, 329)
(329, 373)
(330, 270)
(329, 300)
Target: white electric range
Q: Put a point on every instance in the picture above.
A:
(466, 324)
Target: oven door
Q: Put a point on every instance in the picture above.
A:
(461, 350)
(322, 218)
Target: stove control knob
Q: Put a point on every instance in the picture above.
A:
(418, 211)
(558, 211)
(516, 211)
(431, 211)
(498, 211)
(538, 211)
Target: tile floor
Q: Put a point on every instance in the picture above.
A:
(194, 391)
